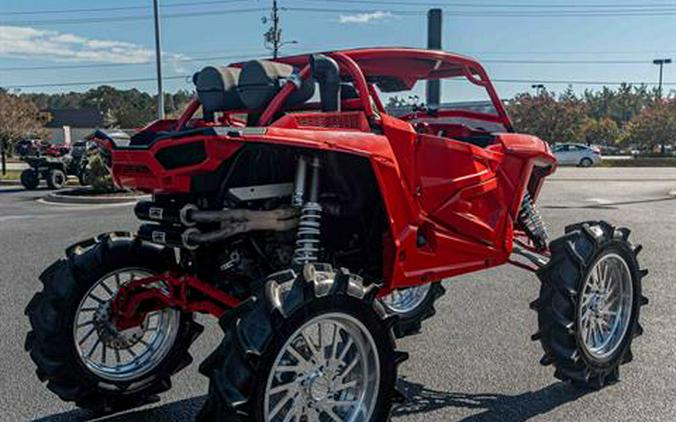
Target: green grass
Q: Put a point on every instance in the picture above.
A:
(11, 175)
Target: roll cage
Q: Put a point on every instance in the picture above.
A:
(388, 69)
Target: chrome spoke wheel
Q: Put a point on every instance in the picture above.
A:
(605, 306)
(124, 355)
(328, 370)
(406, 300)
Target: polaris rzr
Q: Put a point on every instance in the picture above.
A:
(317, 228)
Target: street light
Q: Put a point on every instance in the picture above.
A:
(538, 87)
(661, 63)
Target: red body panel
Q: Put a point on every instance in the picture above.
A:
(465, 198)
(462, 199)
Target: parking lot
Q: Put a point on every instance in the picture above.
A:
(474, 360)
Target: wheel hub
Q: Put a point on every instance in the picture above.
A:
(114, 354)
(327, 370)
(319, 388)
(110, 335)
(605, 307)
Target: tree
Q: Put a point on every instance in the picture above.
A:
(19, 119)
(548, 117)
(603, 131)
(620, 105)
(654, 126)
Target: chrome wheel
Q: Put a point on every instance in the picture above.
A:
(328, 370)
(406, 300)
(606, 306)
(121, 355)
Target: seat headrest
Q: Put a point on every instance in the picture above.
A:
(261, 80)
(217, 88)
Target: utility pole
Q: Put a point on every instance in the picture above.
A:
(661, 63)
(158, 61)
(434, 21)
(273, 36)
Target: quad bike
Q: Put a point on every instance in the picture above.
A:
(318, 232)
(53, 164)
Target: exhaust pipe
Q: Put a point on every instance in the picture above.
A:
(233, 222)
(327, 73)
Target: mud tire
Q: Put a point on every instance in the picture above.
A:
(410, 323)
(563, 278)
(255, 332)
(56, 179)
(30, 179)
(52, 311)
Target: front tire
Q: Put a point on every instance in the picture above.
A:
(30, 179)
(56, 179)
(412, 305)
(589, 304)
(79, 357)
(275, 364)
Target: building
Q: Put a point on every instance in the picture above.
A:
(69, 125)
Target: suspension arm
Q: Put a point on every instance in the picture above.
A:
(134, 300)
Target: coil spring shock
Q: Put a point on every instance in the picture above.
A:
(531, 222)
(308, 237)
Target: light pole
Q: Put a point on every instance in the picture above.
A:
(661, 63)
(538, 88)
(158, 60)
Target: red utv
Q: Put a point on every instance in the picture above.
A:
(288, 203)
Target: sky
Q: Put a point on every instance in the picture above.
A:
(56, 45)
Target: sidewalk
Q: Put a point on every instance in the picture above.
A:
(615, 174)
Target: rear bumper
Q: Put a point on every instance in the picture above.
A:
(171, 164)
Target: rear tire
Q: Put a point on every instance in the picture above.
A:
(30, 179)
(589, 304)
(52, 342)
(56, 179)
(412, 311)
(256, 352)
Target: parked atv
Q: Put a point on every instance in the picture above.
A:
(51, 169)
(315, 232)
(55, 165)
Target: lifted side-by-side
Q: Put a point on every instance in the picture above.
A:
(289, 203)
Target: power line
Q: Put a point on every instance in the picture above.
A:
(498, 80)
(500, 14)
(500, 5)
(227, 57)
(576, 82)
(115, 9)
(129, 18)
(479, 14)
(100, 82)
(566, 61)
(104, 65)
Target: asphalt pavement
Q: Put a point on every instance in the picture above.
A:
(474, 360)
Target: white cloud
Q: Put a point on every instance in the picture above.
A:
(361, 18)
(26, 42)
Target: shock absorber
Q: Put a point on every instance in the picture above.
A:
(531, 222)
(308, 236)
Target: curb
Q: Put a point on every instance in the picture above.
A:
(60, 198)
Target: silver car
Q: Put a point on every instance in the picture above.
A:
(576, 155)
